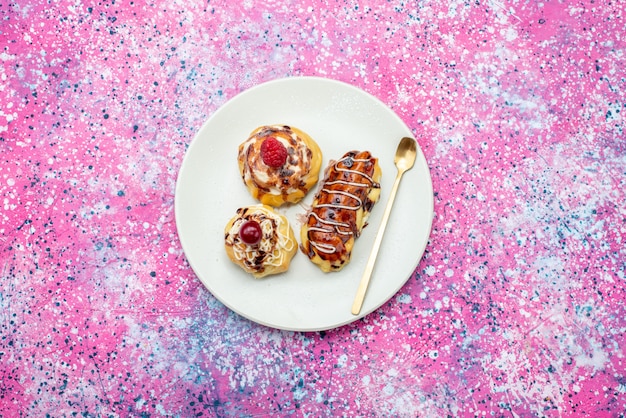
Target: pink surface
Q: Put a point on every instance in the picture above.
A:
(516, 309)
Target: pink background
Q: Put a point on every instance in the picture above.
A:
(516, 309)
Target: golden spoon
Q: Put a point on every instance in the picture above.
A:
(404, 160)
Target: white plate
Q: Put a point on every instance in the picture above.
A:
(209, 190)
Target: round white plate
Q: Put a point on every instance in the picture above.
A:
(209, 189)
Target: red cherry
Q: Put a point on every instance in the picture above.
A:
(250, 232)
(273, 152)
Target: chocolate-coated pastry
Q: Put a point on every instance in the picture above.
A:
(340, 210)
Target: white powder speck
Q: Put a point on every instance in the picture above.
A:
(341, 361)
(388, 390)
(511, 34)
(404, 298)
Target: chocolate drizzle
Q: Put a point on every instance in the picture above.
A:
(334, 219)
(271, 181)
(270, 250)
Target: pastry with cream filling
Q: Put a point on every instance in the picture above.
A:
(340, 210)
(260, 241)
(279, 164)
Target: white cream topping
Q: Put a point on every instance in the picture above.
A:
(272, 250)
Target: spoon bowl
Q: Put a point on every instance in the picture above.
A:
(405, 154)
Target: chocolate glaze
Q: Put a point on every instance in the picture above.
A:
(332, 220)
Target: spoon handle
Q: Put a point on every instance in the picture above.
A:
(365, 279)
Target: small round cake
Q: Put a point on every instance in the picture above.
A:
(260, 241)
(279, 164)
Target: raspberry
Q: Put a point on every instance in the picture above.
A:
(273, 153)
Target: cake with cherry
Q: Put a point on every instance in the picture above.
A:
(340, 210)
(279, 164)
(260, 241)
